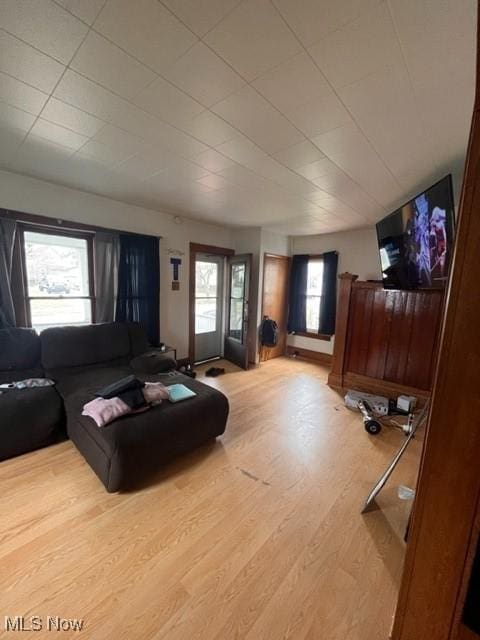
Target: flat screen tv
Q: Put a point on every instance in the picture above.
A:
(416, 240)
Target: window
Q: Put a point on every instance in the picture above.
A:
(206, 296)
(237, 302)
(314, 293)
(58, 279)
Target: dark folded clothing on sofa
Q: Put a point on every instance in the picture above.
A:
(113, 390)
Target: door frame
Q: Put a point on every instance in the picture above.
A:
(195, 249)
(288, 260)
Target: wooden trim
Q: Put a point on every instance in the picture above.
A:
(60, 224)
(341, 327)
(314, 336)
(382, 387)
(307, 354)
(438, 561)
(206, 248)
(267, 353)
(194, 249)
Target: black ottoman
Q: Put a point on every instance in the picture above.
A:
(132, 446)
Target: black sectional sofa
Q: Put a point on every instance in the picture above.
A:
(81, 360)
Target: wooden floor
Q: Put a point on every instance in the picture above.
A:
(258, 536)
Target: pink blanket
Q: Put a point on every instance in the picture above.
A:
(104, 411)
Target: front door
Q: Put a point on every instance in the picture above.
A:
(208, 306)
(236, 333)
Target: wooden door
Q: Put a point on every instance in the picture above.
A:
(445, 532)
(276, 274)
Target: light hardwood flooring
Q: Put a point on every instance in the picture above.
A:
(258, 536)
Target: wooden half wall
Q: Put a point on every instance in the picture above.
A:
(386, 340)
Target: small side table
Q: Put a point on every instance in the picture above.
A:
(167, 349)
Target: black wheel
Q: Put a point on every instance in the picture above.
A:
(373, 427)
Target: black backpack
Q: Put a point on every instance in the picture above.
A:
(269, 333)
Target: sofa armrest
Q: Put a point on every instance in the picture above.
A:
(152, 362)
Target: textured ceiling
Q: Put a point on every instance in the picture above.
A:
(304, 116)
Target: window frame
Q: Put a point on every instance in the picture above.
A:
(55, 231)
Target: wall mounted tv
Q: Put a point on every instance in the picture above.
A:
(416, 240)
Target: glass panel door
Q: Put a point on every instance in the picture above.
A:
(237, 302)
(209, 302)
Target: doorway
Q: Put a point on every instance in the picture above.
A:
(209, 306)
(276, 275)
(219, 309)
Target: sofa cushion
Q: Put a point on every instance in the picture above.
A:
(30, 419)
(66, 347)
(19, 355)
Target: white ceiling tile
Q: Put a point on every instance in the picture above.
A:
(299, 155)
(390, 119)
(38, 153)
(205, 76)
(210, 129)
(13, 118)
(253, 38)
(72, 118)
(292, 83)
(21, 95)
(214, 182)
(58, 135)
(168, 103)
(213, 160)
(316, 169)
(256, 118)
(202, 16)
(100, 153)
(44, 25)
(144, 164)
(86, 10)
(313, 19)
(320, 115)
(340, 140)
(123, 143)
(352, 52)
(27, 64)
(111, 67)
(145, 29)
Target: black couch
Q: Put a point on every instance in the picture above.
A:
(83, 359)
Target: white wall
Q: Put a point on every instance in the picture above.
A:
(30, 195)
(357, 254)
(357, 250)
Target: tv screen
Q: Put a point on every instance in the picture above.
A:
(416, 240)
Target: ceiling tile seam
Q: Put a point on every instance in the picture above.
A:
(54, 88)
(410, 79)
(78, 17)
(338, 97)
(32, 46)
(211, 28)
(339, 28)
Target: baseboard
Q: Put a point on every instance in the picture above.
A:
(307, 354)
(381, 387)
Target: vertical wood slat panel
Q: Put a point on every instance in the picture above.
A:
(392, 334)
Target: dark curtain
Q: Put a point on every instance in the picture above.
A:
(297, 309)
(8, 232)
(328, 307)
(139, 283)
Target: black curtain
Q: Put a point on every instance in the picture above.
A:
(297, 310)
(139, 283)
(328, 306)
